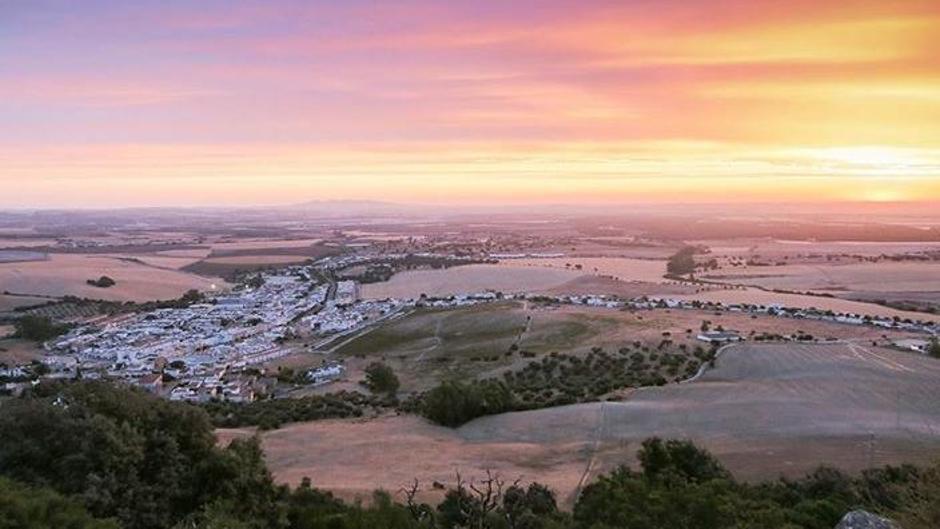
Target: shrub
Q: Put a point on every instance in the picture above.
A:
(683, 262)
(37, 328)
(39, 508)
(102, 282)
(454, 403)
(934, 348)
(381, 379)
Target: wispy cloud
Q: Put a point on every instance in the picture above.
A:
(389, 96)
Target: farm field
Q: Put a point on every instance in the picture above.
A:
(66, 274)
(763, 297)
(620, 247)
(195, 253)
(624, 269)
(25, 243)
(229, 259)
(21, 256)
(765, 410)
(837, 278)
(467, 279)
(592, 285)
(778, 248)
(158, 260)
(255, 260)
(8, 303)
(432, 345)
(262, 244)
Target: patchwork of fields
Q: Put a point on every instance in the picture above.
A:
(66, 274)
(764, 410)
(472, 342)
(856, 277)
(621, 268)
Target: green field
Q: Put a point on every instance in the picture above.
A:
(567, 332)
(432, 344)
(482, 330)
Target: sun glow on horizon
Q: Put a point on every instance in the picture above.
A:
(874, 157)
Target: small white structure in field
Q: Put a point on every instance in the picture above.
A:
(719, 337)
(913, 344)
(324, 374)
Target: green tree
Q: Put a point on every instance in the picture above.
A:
(23, 507)
(919, 507)
(682, 262)
(453, 403)
(37, 328)
(190, 297)
(529, 508)
(934, 348)
(679, 459)
(102, 282)
(380, 378)
(131, 456)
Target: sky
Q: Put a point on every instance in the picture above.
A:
(222, 102)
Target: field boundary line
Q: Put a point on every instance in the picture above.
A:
(594, 448)
(704, 367)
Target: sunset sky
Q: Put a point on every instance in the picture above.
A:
(114, 103)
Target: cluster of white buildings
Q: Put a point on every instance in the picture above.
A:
(347, 292)
(198, 347)
(336, 318)
(526, 255)
(203, 351)
(199, 352)
(325, 373)
(14, 372)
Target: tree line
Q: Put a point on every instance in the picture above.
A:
(557, 379)
(90, 455)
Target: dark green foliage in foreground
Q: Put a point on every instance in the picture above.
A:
(150, 463)
(490, 503)
(682, 486)
(271, 414)
(128, 455)
(919, 508)
(74, 455)
(381, 379)
(37, 328)
(24, 507)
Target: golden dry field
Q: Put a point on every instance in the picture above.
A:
(622, 268)
(66, 274)
(765, 410)
(468, 279)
